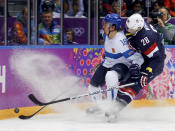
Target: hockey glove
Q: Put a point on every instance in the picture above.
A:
(144, 76)
(134, 71)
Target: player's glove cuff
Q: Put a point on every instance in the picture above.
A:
(144, 79)
(145, 76)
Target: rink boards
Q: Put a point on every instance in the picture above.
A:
(22, 70)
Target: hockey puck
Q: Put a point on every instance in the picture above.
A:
(16, 110)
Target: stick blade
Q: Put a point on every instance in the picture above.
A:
(23, 117)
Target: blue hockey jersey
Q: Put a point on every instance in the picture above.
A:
(149, 43)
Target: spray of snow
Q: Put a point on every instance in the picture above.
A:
(45, 73)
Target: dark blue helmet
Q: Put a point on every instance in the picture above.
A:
(114, 19)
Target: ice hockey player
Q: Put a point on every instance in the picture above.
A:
(144, 38)
(119, 60)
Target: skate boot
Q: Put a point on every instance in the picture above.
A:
(112, 113)
(95, 98)
(93, 110)
(111, 117)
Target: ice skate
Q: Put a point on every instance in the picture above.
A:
(96, 99)
(111, 114)
(111, 117)
(93, 110)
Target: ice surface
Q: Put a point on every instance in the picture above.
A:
(130, 119)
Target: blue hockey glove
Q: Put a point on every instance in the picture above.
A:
(134, 71)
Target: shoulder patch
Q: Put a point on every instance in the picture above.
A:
(113, 50)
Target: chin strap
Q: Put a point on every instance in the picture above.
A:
(110, 32)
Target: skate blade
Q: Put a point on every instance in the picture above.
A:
(90, 111)
(110, 118)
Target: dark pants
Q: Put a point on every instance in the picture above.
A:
(156, 72)
(135, 89)
(98, 78)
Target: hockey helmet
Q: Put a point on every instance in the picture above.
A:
(135, 21)
(113, 19)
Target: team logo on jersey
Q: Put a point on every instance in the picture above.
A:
(113, 50)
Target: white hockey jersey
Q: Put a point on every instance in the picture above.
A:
(117, 51)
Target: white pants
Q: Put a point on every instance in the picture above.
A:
(112, 79)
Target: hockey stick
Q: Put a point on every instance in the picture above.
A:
(30, 116)
(36, 101)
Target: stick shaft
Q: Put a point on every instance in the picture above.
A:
(36, 101)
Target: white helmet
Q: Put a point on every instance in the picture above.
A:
(135, 21)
